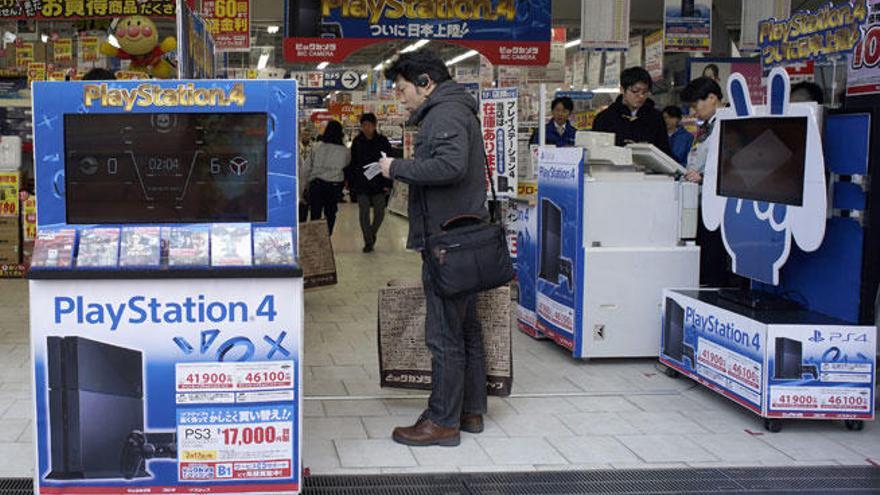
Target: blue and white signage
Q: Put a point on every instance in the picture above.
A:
(560, 246)
(764, 181)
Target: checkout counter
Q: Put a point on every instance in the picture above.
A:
(613, 227)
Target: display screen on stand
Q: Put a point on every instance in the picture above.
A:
(763, 159)
(165, 168)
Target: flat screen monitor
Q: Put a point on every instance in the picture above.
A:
(762, 159)
(165, 168)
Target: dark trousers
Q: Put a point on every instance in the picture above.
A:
(367, 202)
(455, 339)
(323, 199)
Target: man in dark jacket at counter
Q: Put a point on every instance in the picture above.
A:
(448, 174)
(632, 117)
(367, 148)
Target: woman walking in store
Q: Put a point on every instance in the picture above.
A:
(324, 173)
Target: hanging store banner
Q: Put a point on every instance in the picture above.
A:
(62, 10)
(229, 22)
(720, 69)
(498, 110)
(507, 32)
(605, 24)
(611, 71)
(634, 52)
(654, 55)
(62, 50)
(832, 30)
(687, 26)
(755, 11)
(864, 63)
(88, 48)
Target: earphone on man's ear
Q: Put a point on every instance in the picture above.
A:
(423, 81)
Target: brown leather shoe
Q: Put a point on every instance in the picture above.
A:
(472, 423)
(425, 433)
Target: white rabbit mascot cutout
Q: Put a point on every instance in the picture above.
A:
(757, 234)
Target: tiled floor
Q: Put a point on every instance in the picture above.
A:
(564, 414)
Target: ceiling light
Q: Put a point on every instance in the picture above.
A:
(611, 90)
(263, 61)
(415, 46)
(44, 38)
(113, 41)
(322, 65)
(463, 56)
(573, 43)
(363, 76)
(378, 66)
(272, 29)
(9, 37)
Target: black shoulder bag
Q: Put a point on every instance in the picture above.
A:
(469, 255)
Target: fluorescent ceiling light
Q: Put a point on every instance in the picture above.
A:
(322, 65)
(611, 90)
(263, 61)
(363, 76)
(272, 29)
(9, 37)
(415, 46)
(113, 41)
(573, 43)
(463, 56)
(44, 38)
(378, 66)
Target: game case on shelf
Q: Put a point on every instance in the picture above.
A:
(231, 244)
(54, 248)
(140, 247)
(189, 246)
(273, 246)
(98, 248)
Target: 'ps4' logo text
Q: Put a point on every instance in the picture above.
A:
(153, 95)
(833, 337)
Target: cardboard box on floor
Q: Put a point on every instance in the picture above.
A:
(316, 254)
(404, 359)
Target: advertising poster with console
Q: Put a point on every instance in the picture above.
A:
(560, 246)
(764, 187)
(506, 32)
(526, 267)
(165, 299)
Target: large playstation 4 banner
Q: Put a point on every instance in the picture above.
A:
(167, 386)
(526, 267)
(824, 371)
(559, 301)
(719, 348)
(507, 32)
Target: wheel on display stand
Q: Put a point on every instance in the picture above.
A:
(667, 370)
(854, 424)
(773, 425)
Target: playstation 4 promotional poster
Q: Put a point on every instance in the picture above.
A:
(177, 367)
(559, 298)
(816, 370)
(526, 267)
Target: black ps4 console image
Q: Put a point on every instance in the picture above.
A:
(673, 334)
(789, 364)
(96, 402)
(551, 241)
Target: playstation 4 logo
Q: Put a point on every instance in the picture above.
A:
(817, 337)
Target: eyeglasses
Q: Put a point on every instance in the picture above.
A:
(639, 92)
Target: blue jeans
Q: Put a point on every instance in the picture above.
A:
(455, 338)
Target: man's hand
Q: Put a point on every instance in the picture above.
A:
(385, 165)
(694, 176)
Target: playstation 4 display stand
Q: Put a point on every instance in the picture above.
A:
(771, 348)
(170, 379)
(777, 364)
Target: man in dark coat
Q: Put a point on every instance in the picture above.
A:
(632, 117)
(367, 148)
(447, 180)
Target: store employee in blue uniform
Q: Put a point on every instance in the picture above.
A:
(560, 132)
